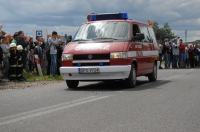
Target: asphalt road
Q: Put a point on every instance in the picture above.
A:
(172, 104)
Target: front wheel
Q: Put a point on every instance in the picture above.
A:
(72, 84)
(131, 81)
(153, 76)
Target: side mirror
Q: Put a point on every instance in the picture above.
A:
(139, 37)
(69, 38)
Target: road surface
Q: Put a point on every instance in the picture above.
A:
(172, 104)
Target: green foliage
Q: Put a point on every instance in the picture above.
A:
(31, 77)
(163, 32)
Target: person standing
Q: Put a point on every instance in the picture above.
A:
(53, 43)
(160, 55)
(38, 56)
(196, 55)
(30, 55)
(166, 53)
(182, 54)
(13, 62)
(6, 53)
(19, 66)
(175, 53)
(198, 48)
(187, 63)
(42, 44)
(59, 56)
(191, 56)
(21, 40)
(1, 60)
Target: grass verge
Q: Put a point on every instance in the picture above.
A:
(32, 77)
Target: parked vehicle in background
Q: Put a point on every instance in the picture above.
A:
(111, 47)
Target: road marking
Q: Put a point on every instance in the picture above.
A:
(47, 110)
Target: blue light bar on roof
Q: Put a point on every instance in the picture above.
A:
(107, 16)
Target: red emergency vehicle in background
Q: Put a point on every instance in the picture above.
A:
(110, 47)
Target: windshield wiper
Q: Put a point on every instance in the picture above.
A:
(80, 40)
(103, 38)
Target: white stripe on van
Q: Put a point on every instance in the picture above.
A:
(150, 53)
(132, 54)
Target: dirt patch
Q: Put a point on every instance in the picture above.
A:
(22, 85)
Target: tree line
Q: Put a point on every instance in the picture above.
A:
(163, 32)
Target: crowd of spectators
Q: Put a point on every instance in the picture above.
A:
(20, 53)
(176, 54)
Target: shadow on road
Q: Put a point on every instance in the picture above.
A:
(119, 86)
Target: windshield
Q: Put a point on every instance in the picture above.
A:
(103, 30)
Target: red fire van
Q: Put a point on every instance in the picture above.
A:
(110, 47)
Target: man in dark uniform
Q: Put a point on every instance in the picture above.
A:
(21, 40)
(59, 56)
(13, 62)
(19, 66)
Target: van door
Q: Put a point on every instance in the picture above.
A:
(136, 46)
(147, 50)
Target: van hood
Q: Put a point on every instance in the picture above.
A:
(95, 48)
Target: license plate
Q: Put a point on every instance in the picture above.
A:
(88, 70)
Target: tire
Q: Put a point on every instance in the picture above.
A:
(72, 84)
(153, 76)
(131, 81)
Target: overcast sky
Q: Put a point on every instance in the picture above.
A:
(65, 16)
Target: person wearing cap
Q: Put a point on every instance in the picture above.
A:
(19, 66)
(13, 62)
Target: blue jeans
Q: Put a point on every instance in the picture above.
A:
(53, 67)
(182, 57)
(175, 61)
(167, 60)
(182, 60)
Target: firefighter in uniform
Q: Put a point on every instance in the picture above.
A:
(19, 67)
(13, 61)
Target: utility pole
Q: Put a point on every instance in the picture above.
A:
(186, 33)
(1, 26)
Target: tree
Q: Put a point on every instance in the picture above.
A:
(163, 32)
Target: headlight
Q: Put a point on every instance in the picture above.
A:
(118, 55)
(67, 57)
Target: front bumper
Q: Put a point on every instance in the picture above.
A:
(106, 73)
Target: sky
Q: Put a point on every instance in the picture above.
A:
(65, 16)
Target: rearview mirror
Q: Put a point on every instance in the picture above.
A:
(139, 37)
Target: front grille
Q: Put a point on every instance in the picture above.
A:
(92, 57)
(92, 64)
